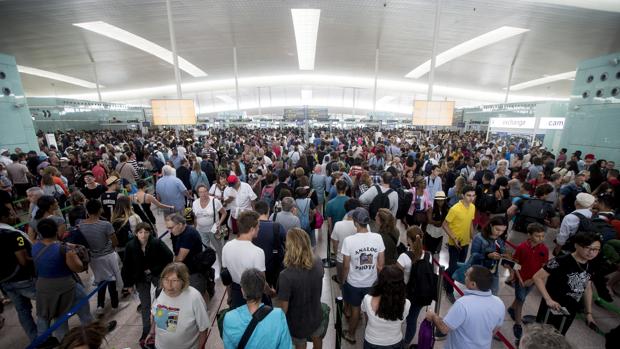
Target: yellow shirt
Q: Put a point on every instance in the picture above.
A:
(459, 220)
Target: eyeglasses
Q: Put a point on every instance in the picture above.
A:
(172, 226)
(592, 249)
(172, 281)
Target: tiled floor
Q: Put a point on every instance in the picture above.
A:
(129, 325)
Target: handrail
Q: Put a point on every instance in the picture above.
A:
(42, 338)
(451, 282)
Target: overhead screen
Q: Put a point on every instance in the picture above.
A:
(173, 112)
(433, 113)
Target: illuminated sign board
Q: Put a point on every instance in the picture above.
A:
(517, 123)
(551, 123)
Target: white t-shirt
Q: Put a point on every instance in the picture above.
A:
(243, 198)
(179, 320)
(216, 191)
(204, 216)
(380, 331)
(341, 231)
(364, 249)
(239, 255)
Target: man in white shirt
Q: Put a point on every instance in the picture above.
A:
(472, 320)
(238, 197)
(370, 194)
(363, 259)
(433, 182)
(241, 254)
(341, 231)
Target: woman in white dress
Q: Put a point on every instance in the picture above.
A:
(210, 215)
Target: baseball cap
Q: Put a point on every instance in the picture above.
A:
(590, 157)
(360, 216)
(232, 179)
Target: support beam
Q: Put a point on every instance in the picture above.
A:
(431, 75)
(236, 76)
(512, 67)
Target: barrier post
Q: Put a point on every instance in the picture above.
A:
(338, 322)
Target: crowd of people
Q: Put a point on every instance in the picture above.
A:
(255, 201)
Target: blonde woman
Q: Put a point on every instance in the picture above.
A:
(390, 235)
(454, 193)
(124, 221)
(300, 286)
(179, 315)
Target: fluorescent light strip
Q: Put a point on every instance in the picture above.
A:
(306, 26)
(141, 43)
(547, 79)
(467, 47)
(225, 99)
(56, 76)
(385, 99)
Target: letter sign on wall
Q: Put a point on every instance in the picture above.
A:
(551, 123)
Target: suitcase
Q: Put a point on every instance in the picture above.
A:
(563, 313)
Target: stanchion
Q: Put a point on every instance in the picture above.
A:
(338, 322)
(329, 261)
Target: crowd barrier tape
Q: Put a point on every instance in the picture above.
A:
(42, 338)
(451, 282)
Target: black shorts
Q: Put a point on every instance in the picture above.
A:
(432, 245)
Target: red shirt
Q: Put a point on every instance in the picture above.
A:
(530, 258)
(99, 173)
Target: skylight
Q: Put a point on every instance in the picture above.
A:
(56, 76)
(542, 81)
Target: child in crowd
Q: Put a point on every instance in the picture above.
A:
(531, 255)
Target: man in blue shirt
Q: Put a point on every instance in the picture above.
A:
(171, 190)
(473, 318)
(270, 332)
(334, 211)
(270, 238)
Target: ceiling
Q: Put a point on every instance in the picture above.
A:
(40, 34)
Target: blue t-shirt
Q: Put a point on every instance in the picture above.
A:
(265, 240)
(335, 208)
(271, 332)
(51, 263)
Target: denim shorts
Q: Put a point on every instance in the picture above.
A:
(521, 292)
(354, 295)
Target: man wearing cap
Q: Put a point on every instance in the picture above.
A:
(363, 259)
(570, 223)
(109, 197)
(589, 160)
(238, 197)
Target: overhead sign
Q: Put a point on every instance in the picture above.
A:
(551, 123)
(517, 123)
(433, 113)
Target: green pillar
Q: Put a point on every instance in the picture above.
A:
(16, 128)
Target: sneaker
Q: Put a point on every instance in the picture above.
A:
(517, 330)
(111, 326)
(511, 312)
(100, 311)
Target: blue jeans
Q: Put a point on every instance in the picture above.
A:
(21, 293)
(84, 312)
(412, 323)
(455, 255)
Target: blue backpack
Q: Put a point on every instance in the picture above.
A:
(303, 206)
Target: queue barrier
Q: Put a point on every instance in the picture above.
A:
(42, 338)
(215, 316)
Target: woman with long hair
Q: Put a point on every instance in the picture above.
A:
(386, 306)
(408, 180)
(47, 208)
(299, 290)
(488, 247)
(197, 177)
(124, 220)
(454, 193)
(390, 235)
(420, 204)
(433, 236)
(143, 201)
(408, 262)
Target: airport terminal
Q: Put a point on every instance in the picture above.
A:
(377, 174)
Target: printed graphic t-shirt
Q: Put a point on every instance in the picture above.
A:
(567, 281)
(364, 249)
(179, 320)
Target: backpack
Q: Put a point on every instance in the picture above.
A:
(596, 224)
(486, 202)
(203, 263)
(428, 168)
(405, 197)
(532, 211)
(381, 200)
(267, 196)
(304, 213)
(157, 164)
(422, 285)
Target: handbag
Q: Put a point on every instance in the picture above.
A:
(218, 232)
(324, 323)
(225, 277)
(426, 335)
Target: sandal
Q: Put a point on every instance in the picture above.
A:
(346, 335)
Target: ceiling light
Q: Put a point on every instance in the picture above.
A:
(306, 26)
(56, 76)
(547, 79)
(385, 99)
(141, 43)
(467, 47)
(225, 99)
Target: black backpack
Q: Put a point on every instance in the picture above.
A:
(422, 285)
(596, 224)
(532, 211)
(486, 202)
(404, 202)
(382, 200)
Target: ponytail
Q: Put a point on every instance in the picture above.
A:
(414, 237)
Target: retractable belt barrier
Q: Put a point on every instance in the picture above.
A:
(451, 282)
(219, 307)
(42, 338)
